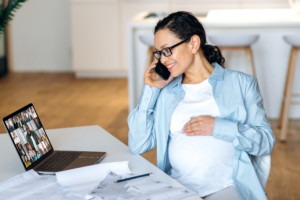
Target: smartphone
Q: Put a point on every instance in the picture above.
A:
(162, 71)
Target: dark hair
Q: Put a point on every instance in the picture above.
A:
(184, 25)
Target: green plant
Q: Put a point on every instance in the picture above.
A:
(7, 10)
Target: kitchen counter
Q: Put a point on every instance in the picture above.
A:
(231, 17)
(271, 53)
(246, 18)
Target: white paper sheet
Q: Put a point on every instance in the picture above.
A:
(82, 180)
(137, 189)
(30, 185)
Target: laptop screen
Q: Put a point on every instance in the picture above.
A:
(28, 136)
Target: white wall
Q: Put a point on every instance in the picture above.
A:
(40, 36)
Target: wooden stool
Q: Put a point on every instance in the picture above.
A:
(148, 39)
(236, 43)
(294, 41)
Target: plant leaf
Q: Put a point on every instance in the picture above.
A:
(7, 12)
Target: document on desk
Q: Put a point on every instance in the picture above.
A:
(72, 184)
(82, 180)
(31, 185)
(145, 187)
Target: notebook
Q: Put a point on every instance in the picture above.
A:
(34, 146)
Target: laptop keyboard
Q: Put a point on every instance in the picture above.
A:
(59, 161)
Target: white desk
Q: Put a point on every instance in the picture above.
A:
(271, 53)
(87, 138)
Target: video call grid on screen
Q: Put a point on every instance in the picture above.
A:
(28, 135)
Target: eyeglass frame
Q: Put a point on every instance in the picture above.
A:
(169, 48)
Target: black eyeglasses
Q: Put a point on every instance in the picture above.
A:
(167, 51)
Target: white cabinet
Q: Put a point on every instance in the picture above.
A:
(95, 37)
(99, 34)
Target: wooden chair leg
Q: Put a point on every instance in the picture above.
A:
(249, 54)
(285, 90)
(282, 108)
(284, 116)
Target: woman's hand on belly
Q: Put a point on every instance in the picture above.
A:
(202, 125)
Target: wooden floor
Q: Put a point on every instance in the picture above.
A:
(62, 100)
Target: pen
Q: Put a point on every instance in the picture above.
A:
(133, 177)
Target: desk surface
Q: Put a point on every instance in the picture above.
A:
(87, 138)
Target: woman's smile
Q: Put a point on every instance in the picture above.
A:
(170, 66)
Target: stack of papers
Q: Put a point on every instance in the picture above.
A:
(93, 182)
(72, 184)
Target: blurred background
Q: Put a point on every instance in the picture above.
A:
(81, 62)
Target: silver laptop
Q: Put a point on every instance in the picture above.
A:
(35, 149)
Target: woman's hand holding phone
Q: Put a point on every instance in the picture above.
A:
(152, 79)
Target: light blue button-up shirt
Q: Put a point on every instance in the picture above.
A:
(242, 122)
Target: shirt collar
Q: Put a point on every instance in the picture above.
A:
(217, 74)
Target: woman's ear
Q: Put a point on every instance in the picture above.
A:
(195, 43)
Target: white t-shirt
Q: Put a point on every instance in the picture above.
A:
(201, 163)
